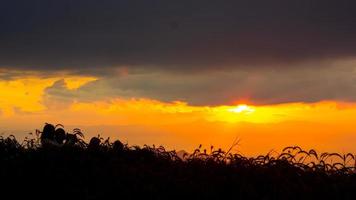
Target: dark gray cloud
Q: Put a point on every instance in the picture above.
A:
(90, 36)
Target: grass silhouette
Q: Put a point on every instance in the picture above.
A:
(54, 164)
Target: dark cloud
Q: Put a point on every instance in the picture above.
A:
(84, 35)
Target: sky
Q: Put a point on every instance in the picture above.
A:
(182, 73)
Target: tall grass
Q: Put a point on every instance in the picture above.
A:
(101, 168)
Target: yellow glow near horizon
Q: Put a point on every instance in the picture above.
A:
(146, 111)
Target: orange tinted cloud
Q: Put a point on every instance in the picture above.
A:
(324, 125)
(26, 93)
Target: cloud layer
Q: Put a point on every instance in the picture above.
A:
(203, 52)
(181, 35)
(264, 86)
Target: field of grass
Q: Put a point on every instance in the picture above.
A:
(54, 164)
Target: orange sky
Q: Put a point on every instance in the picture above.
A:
(326, 126)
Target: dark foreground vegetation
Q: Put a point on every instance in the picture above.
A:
(54, 164)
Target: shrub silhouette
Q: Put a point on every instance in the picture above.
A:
(94, 143)
(70, 167)
(60, 135)
(48, 133)
(118, 146)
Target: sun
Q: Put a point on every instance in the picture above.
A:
(234, 114)
(243, 108)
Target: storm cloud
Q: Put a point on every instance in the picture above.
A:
(177, 35)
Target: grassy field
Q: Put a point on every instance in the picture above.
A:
(54, 164)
